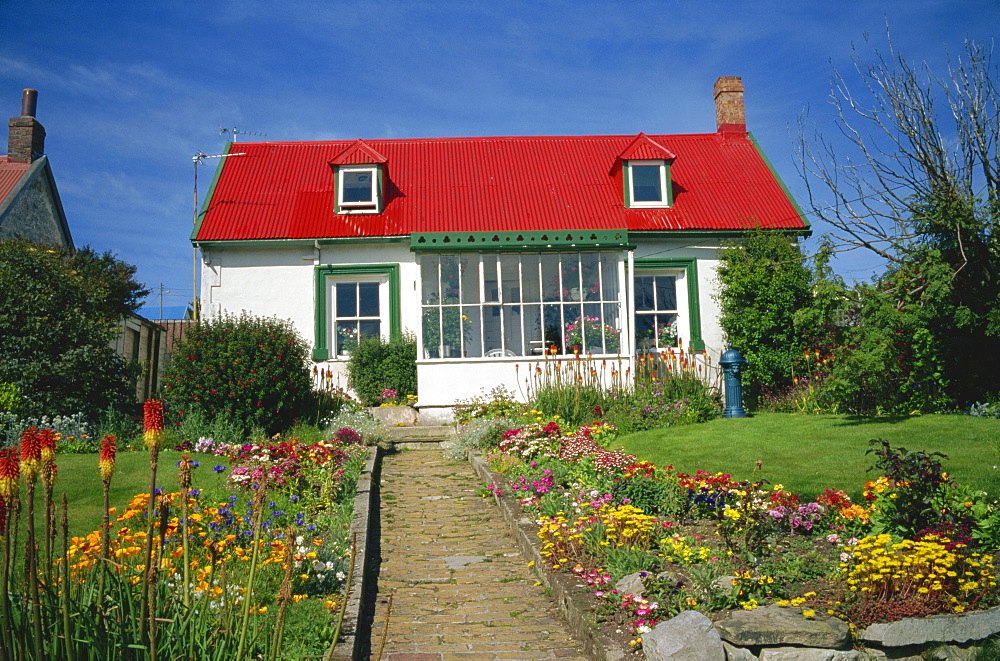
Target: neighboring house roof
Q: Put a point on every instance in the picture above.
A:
(721, 182)
(30, 207)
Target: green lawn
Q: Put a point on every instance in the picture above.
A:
(79, 479)
(810, 453)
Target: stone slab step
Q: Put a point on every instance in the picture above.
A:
(417, 432)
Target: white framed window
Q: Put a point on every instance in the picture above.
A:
(659, 309)
(359, 308)
(647, 184)
(520, 304)
(357, 189)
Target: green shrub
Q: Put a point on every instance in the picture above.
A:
(10, 398)
(252, 370)
(377, 365)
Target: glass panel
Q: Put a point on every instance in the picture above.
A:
(429, 278)
(470, 279)
(347, 299)
(490, 282)
(590, 267)
(570, 269)
(644, 336)
(368, 299)
(646, 183)
(449, 278)
(492, 338)
(472, 325)
(612, 334)
(357, 186)
(347, 336)
(644, 299)
(512, 330)
(533, 336)
(370, 328)
(550, 278)
(530, 284)
(666, 292)
(666, 330)
(609, 273)
(432, 332)
(451, 332)
(552, 327)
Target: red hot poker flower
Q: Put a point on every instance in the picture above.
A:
(31, 453)
(47, 439)
(106, 464)
(152, 419)
(10, 473)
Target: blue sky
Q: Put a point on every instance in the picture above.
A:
(129, 92)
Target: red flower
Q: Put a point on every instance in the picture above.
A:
(31, 453)
(47, 438)
(10, 473)
(106, 464)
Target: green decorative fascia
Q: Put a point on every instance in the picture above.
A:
(211, 191)
(280, 243)
(627, 196)
(774, 173)
(616, 239)
(690, 267)
(321, 351)
(379, 190)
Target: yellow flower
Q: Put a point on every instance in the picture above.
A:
(809, 613)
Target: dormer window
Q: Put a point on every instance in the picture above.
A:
(358, 189)
(648, 184)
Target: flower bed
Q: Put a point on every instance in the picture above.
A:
(247, 570)
(705, 542)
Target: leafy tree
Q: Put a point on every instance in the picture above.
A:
(762, 282)
(920, 187)
(251, 370)
(59, 311)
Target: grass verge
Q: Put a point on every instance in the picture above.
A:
(808, 454)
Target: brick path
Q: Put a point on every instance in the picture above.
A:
(460, 588)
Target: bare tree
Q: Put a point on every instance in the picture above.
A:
(911, 142)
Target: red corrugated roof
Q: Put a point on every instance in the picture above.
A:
(10, 174)
(284, 190)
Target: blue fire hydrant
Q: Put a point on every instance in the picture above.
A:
(733, 363)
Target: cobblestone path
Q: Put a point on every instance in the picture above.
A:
(460, 588)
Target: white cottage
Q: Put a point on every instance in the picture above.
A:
(492, 250)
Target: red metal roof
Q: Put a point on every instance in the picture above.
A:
(10, 174)
(284, 190)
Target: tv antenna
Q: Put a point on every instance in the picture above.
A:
(235, 131)
(196, 159)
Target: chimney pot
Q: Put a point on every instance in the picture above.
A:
(730, 115)
(26, 136)
(29, 102)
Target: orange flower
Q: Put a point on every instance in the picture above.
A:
(47, 441)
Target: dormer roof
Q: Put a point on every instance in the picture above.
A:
(644, 148)
(358, 152)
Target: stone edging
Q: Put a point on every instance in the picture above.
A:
(355, 637)
(564, 588)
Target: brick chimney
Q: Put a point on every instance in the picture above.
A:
(730, 117)
(26, 140)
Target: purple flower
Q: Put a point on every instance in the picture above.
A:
(219, 468)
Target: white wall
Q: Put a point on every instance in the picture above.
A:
(279, 281)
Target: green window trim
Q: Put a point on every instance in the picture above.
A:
(690, 268)
(627, 187)
(321, 350)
